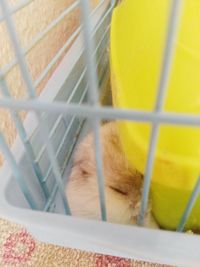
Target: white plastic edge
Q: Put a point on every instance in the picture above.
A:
(125, 241)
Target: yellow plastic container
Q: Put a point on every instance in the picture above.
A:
(138, 34)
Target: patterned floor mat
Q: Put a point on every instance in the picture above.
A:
(19, 248)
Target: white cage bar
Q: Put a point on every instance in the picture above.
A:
(102, 237)
(162, 88)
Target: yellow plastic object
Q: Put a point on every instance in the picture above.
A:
(138, 35)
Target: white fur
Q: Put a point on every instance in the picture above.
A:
(122, 183)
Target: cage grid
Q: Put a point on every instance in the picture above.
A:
(48, 135)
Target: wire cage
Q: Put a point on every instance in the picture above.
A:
(32, 183)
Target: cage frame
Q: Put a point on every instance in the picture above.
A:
(102, 237)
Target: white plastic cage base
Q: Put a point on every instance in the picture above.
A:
(125, 241)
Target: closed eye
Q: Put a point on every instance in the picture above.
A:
(118, 190)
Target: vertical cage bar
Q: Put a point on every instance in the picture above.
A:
(23, 136)
(93, 98)
(189, 206)
(17, 172)
(43, 128)
(165, 73)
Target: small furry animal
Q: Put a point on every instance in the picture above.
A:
(122, 183)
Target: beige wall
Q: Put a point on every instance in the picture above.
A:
(29, 21)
